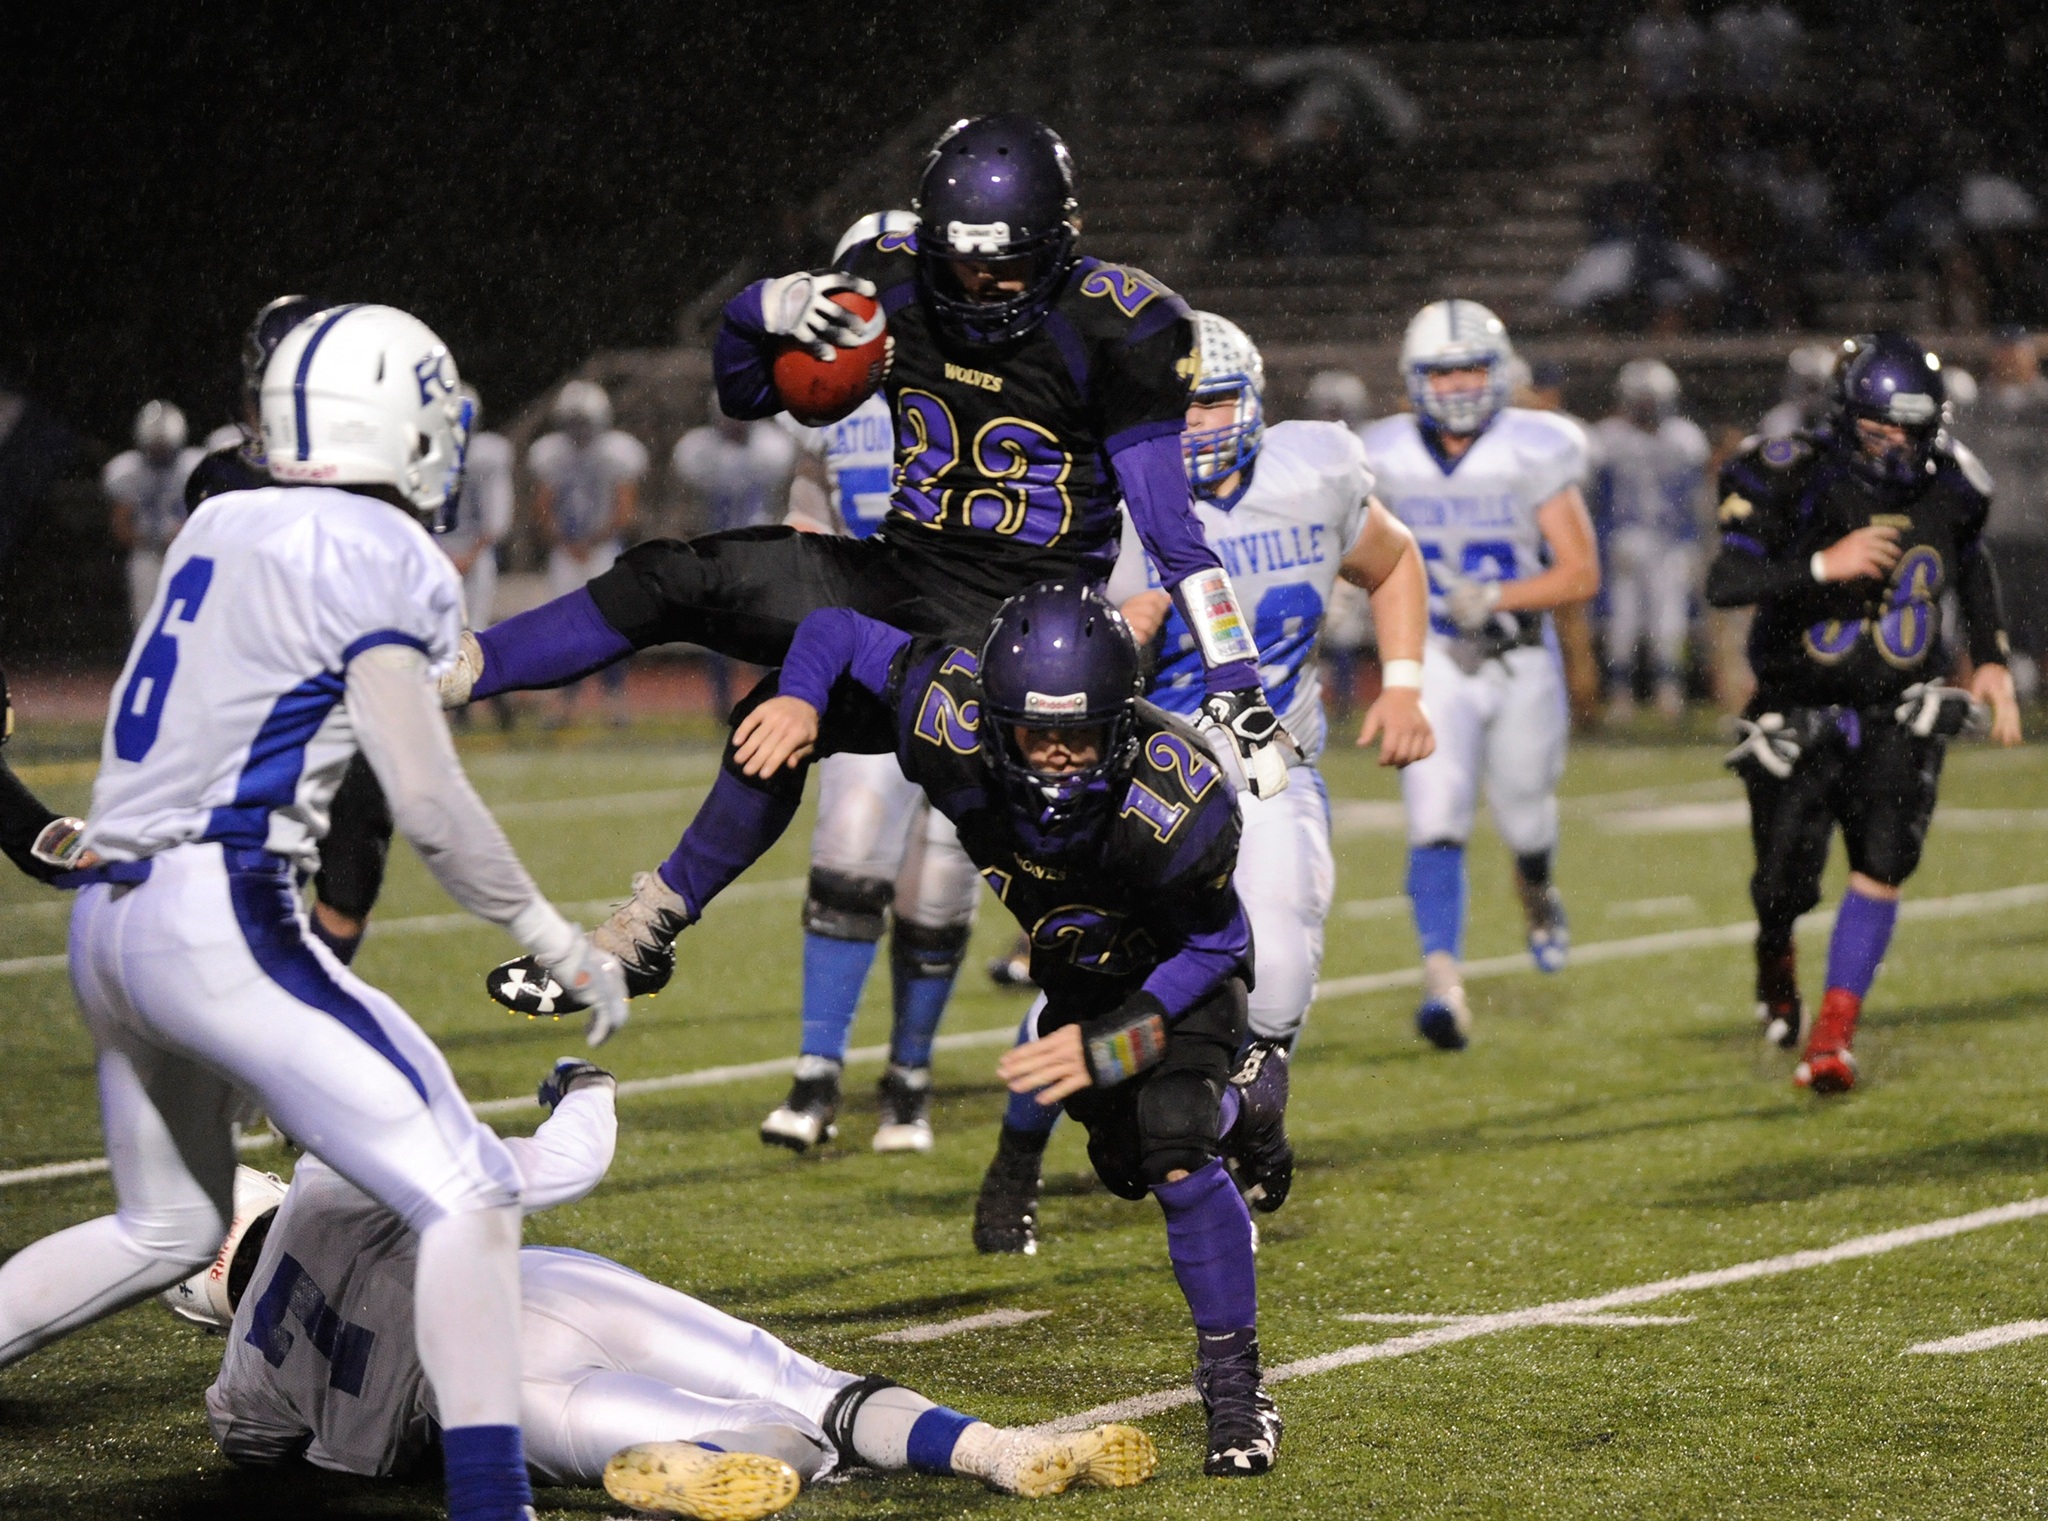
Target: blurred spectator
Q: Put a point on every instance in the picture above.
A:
(737, 472)
(1651, 470)
(1808, 387)
(1337, 396)
(145, 491)
(1636, 276)
(587, 489)
(1666, 51)
(2008, 429)
(1759, 47)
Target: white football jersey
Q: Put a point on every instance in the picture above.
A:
(156, 493)
(228, 722)
(859, 452)
(1476, 519)
(1650, 480)
(1281, 544)
(485, 507)
(586, 480)
(740, 479)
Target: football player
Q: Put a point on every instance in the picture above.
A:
(295, 624)
(1491, 494)
(42, 843)
(145, 491)
(1030, 388)
(1105, 827)
(624, 1382)
(1845, 538)
(1288, 509)
(1649, 466)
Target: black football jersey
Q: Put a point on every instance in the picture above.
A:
(1102, 921)
(1002, 466)
(1855, 643)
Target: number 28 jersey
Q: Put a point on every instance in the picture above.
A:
(1475, 518)
(228, 723)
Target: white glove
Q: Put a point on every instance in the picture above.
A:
(459, 679)
(1470, 604)
(799, 306)
(594, 978)
(1930, 707)
(1768, 743)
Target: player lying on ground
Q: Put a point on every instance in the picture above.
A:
(293, 625)
(1103, 825)
(42, 843)
(1288, 509)
(666, 1402)
(1491, 494)
(1845, 539)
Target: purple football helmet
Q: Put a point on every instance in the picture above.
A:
(1890, 378)
(265, 333)
(1059, 656)
(996, 190)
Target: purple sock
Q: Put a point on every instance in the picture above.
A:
(1209, 1239)
(1863, 928)
(485, 1468)
(732, 830)
(554, 644)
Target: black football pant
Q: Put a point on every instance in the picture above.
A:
(1167, 1118)
(1880, 791)
(358, 842)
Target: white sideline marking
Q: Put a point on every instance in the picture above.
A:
(1989, 1337)
(1654, 908)
(988, 1321)
(1466, 1327)
(1561, 1320)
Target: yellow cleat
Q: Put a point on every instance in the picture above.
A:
(1102, 1457)
(683, 1479)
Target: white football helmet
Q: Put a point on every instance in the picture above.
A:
(160, 428)
(367, 396)
(1227, 368)
(1337, 396)
(1457, 335)
(874, 225)
(583, 406)
(208, 1298)
(1647, 387)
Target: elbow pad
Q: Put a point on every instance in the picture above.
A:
(1125, 1042)
(1210, 606)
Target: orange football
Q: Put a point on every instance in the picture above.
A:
(816, 391)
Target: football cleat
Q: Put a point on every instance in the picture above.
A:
(1550, 932)
(906, 1098)
(809, 1116)
(1257, 1148)
(1244, 1423)
(1006, 1209)
(1828, 1066)
(1035, 1464)
(683, 1479)
(1013, 969)
(1779, 1012)
(1445, 1020)
(642, 933)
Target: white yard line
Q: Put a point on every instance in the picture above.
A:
(1989, 1337)
(1560, 1320)
(1653, 908)
(1564, 1311)
(988, 1321)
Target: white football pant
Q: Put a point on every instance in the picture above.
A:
(1285, 879)
(1649, 585)
(1504, 725)
(874, 823)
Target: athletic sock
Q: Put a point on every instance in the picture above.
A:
(921, 982)
(343, 946)
(486, 1473)
(1024, 1115)
(835, 971)
(1534, 868)
(1436, 888)
(1863, 928)
(1209, 1241)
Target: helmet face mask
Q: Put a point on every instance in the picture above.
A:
(1229, 371)
(996, 208)
(1891, 404)
(1448, 337)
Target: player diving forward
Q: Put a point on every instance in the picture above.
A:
(1030, 388)
(1104, 826)
(1846, 538)
(1288, 509)
(1491, 494)
(294, 624)
(624, 1382)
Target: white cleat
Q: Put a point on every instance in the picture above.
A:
(683, 1479)
(1037, 1464)
(906, 1099)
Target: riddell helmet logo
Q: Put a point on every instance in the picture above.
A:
(1048, 705)
(978, 237)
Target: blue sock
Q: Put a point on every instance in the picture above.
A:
(834, 973)
(1024, 1112)
(933, 1437)
(1209, 1240)
(486, 1473)
(921, 981)
(1436, 887)
(1863, 928)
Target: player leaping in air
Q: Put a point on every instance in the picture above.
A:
(1845, 539)
(1289, 508)
(1102, 823)
(1491, 493)
(1031, 389)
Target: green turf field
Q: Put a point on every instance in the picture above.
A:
(1615, 1126)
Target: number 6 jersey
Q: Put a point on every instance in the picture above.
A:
(228, 722)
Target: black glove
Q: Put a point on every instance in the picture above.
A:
(1126, 1041)
(571, 1073)
(1930, 708)
(1263, 744)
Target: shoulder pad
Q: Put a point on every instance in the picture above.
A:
(1118, 293)
(1386, 433)
(1329, 448)
(1966, 461)
(1779, 453)
(1547, 432)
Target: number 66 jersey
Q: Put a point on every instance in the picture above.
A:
(228, 722)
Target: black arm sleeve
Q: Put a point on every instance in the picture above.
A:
(22, 818)
(1740, 578)
(1983, 607)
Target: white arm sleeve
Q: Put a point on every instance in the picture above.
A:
(568, 1156)
(396, 713)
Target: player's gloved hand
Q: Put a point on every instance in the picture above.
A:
(1470, 604)
(1766, 742)
(62, 844)
(593, 979)
(569, 1074)
(1263, 744)
(459, 680)
(800, 306)
(1931, 708)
